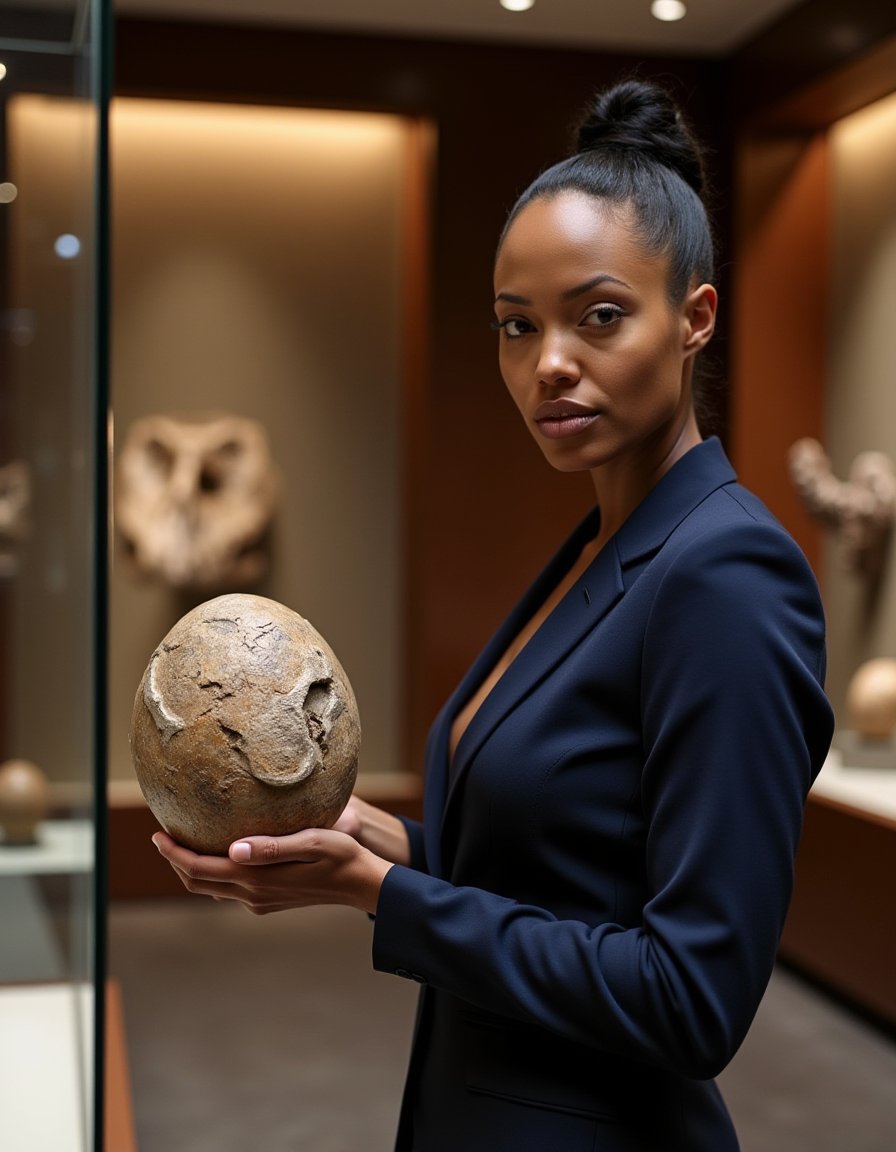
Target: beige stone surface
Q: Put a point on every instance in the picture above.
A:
(24, 801)
(244, 723)
(871, 699)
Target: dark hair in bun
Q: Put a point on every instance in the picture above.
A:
(634, 148)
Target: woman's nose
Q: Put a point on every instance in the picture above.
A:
(556, 362)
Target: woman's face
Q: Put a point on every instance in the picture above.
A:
(594, 355)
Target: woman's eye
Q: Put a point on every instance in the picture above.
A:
(604, 315)
(513, 326)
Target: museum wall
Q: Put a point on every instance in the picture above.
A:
(256, 271)
(860, 397)
(780, 292)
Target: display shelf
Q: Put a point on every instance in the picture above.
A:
(63, 846)
(839, 930)
(34, 950)
(868, 790)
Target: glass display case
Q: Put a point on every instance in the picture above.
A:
(53, 64)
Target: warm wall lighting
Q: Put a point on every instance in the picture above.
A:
(517, 5)
(668, 10)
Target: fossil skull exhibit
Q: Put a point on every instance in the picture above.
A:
(195, 498)
(244, 723)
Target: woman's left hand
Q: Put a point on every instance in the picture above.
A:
(273, 873)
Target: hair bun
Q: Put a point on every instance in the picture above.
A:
(639, 117)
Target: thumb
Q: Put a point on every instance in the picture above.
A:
(257, 850)
(270, 849)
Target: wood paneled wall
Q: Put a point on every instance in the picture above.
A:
(786, 88)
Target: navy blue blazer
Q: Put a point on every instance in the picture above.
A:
(594, 904)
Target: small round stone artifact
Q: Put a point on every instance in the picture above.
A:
(871, 699)
(244, 724)
(24, 801)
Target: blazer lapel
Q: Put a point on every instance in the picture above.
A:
(688, 483)
(440, 771)
(701, 471)
(590, 598)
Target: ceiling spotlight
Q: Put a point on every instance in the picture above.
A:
(668, 10)
(517, 5)
(2, 71)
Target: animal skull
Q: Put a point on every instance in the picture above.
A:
(195, 498)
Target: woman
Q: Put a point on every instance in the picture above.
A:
(614, 793)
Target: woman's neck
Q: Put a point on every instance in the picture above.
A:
(622, 484)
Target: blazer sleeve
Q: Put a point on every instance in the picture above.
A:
(414, 829)
(735, 724)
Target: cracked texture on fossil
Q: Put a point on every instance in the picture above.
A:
(244, 724)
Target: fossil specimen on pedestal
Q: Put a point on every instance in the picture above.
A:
(861, 508)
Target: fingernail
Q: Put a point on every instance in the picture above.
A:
(240, 852)
(156, 843)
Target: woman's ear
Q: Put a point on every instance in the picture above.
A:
(699, 312)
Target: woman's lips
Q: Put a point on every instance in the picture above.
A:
(557, 419)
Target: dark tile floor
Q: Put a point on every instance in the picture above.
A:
(274, 1032)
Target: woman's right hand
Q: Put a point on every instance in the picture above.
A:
(376, 830)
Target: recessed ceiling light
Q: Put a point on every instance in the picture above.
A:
(668, 9)
(2, 71)
(517, 5)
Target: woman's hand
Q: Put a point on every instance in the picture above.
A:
(381, 832)
(273, 873)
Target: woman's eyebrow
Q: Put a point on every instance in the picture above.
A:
(570, 293)
(581, 289)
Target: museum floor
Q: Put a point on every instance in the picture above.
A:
(274, 1032)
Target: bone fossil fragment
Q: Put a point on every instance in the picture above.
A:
(15, 501)
(861, 509)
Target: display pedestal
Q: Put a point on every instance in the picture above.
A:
(840, 930)
(856, 753)
(46, 1065)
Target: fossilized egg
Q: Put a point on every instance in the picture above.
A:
(244, 724)
(24, 801)
(871, 699)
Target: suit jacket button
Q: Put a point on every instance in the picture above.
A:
(408, 975)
